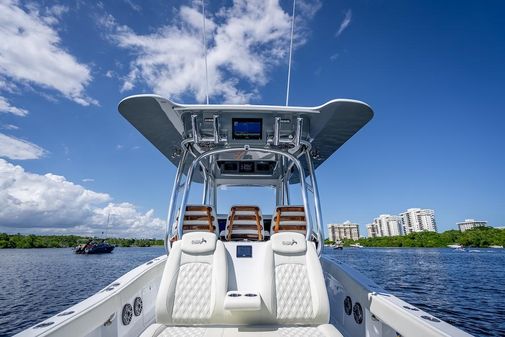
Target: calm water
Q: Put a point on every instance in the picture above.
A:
(466, 289)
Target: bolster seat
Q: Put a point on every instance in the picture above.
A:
(245, 223)
(289, 218)
(197, 218)
(194, 282)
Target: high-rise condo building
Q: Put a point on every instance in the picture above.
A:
(471, 223)
(347, 230)
(418, 220)
(388, 225)
(372, 230)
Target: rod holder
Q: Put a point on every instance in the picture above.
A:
(216, 128)
(277, 135)
(194, 129)
(298, 134)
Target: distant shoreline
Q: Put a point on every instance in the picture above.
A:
(481, 237)
(20, 241)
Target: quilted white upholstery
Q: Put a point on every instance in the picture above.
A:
(325, 330)
(192, 293)
(299, 292)
(302, 331)
(194, 282)
(183, 331)
(292, 290)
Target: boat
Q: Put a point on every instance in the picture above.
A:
(94, 246)
(455, 246)
(495, 246)
(355, 245)
(254, 271)
(338, 245)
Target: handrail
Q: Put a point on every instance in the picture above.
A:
(245, 148)
(173, 198)
(317, 205)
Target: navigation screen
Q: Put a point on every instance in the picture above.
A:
(247, 128)
(244, 251)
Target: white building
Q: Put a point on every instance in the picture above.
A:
(418, 220)
(471, 223)
(388, 225)
(347, 230)
(372, 230)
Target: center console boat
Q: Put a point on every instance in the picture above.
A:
(256, 270)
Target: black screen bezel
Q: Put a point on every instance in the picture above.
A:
(247, 120)
(241, 253)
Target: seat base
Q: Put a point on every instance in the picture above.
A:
(160, 330)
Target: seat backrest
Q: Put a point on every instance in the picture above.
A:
(198, 218)
(293, 273)
(289, 218)
(245, 222)
(194, 282)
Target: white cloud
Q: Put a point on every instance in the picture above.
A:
(31, 51)
(88, 180)
(244, 42)
(50, 203)
(19, 149)
(10, 127)
(5, 106)
(345, 22)
(134, 6)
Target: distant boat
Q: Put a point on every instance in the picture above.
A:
(494, 246)
(94, 247)
(337, 245)
(356, 245)
(455, 246)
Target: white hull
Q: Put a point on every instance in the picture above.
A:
(383, 313)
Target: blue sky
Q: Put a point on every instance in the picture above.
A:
(432, 71)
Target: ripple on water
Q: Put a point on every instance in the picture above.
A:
(38, 283)
(464, 289)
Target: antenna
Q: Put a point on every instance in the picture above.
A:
(205, 54)
(290, 51)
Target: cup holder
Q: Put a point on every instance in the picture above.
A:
(235, 295)
(251, 295)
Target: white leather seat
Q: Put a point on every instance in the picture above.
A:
(298, 289)
(160, 330)
(194, 282)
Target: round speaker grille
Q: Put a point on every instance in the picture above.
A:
(357, 313)
(137, 306)
(127, 314)
(348, 305)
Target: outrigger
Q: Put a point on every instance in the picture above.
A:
(254, 271)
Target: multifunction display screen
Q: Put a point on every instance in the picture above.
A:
(247, 128)
(244, 251)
